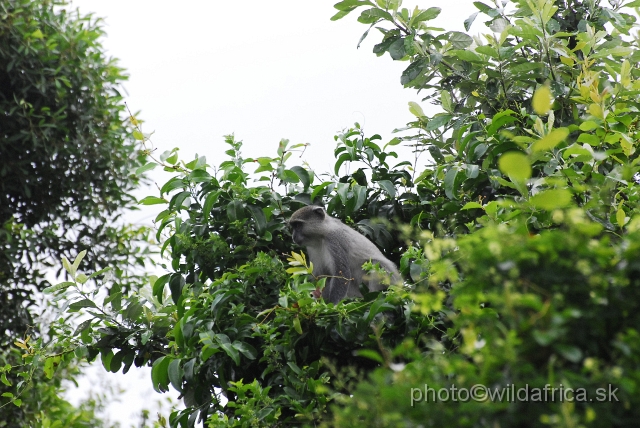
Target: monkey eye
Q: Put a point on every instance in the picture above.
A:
(294, 224)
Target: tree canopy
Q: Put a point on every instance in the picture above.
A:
(66, 169)
(517, 236)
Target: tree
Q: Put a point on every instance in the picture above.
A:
(518, 243)
(66, 170)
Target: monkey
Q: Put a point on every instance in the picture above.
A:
(337, 253)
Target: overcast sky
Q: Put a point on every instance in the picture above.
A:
(264, 70)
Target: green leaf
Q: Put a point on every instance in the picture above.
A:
(288, 176)
(171, 160)
(459, 40)
(78, 260)
(571, 353)
(175, 374)
(445, 100)
(349, 5)
(542, 100)
(246, 350)
(437, 121)
(578, 150)
(172, 184)
(415, 109)
(319, 188)
(303, 175)
(616, 51)
(549, 141)
(388, 187)
(393, 142)
(427, 15)
(372, 15)
(412, 72)
(370, 354)
(590, 139)
(57, 287)
(199, 176)
(360, 194)
(67, 266)
(230, 351)
(469, 21)
(342, 191)
(160, 374)
(209, 202)
(259, 218)
(153, 200)
(340, 15)
(50, 366)
(396, 49)
(145, 168)
(296, 325)
(83, 303)
(177, 201)
(499, 120)
(449, 183)
(466, 55)
(343, 158)
(106, 356)
(4, 380)
(158, 286)
(621, 218)
(551, 199)
(471, 205)
(588, 125)
(486, 9)
(515, 165)
(235, 210)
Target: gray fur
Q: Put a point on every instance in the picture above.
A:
(338, 252)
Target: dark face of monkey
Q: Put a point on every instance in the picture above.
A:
(300, 222)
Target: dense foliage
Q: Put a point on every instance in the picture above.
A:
(65, 174)
(518, 243)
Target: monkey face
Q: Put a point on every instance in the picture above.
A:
(307, 225)
(297, 231)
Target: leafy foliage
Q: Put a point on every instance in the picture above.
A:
(66, 151)
(221, 322)
(65, 178)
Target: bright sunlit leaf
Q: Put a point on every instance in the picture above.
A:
(550, 140)
(551, 199)
(516, 165)
(415, 109)
(542, 100)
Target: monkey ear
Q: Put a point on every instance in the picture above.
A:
(319, 211)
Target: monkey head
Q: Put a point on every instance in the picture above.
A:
(306, 224)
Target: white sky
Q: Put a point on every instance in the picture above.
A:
(262, 70)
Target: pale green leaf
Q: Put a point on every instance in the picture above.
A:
(542, 100)
(415, 109)
(516, 165)
(621, 218)
(550, 140)
(152, 200)
(551, 199)
(145, 168)
(471, 206)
